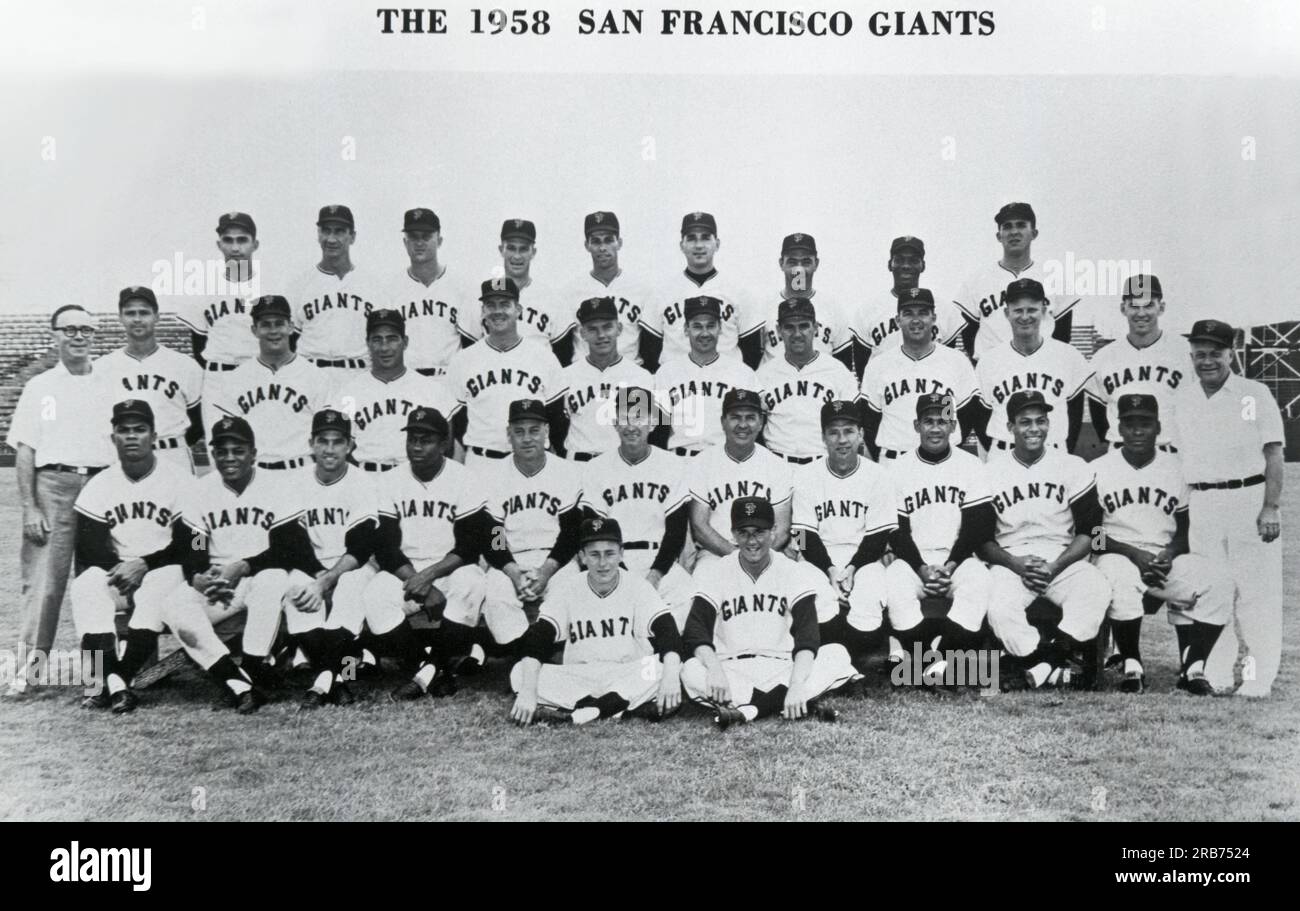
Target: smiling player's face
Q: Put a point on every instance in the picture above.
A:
(330, 449)
(602, 559)
(753, 543)
(1029, 427)
(234, 459)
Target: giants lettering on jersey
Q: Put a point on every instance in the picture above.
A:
(383, 408)
(577, 399)
(709, 389)
(929, 496)
(242, 515)
(339, 300)
(609, 627)
(1034, 490)
(731, 490)
(221, 309)
(425, 509)
(628, 310)
(1144, 374)
(274, 392)
(140, 509)
(1141, 496)
(1033, 380)
(733, 607)
(326, 515)
(914, 385)
(673, 312)
(427, 307)
(637, 490)
(846, 509)
(144, 382)
(531, 500)
(801, 388)
(505, 376)
(536, 318)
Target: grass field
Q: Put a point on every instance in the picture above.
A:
(1086, 756)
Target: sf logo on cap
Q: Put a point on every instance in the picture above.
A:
(798, 238)
(750, 508)
(837, 406)
(226, 423)
(333, 209)
(418, 214)
(598, 217)
(129, 403)
(913, 292)
(331, 417)
(597, 525)
(420, 414)
(519, 223)
(232, 215)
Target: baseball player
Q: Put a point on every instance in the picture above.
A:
(799, 263)
(662, 337)
(218, 325)
(896, 378)
(1031, 363)
(57, 430)
(278, 391)
(844, 518)
(1230, 438)
(333, 298)
(984, 295)
(875, 327)
(425, 298)
(621, 654)
(1147, 360)
(604, 241)
(644, 489)
(1046, 501)
(594, 383)
(1145, 552)
(740, 467)
(752, 634)
(169, 381)
(131, 542)
(797, 385)
(944, 497)
(691, 389)
(379, 401)
(495, 371)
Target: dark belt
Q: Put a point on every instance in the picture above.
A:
(584, 457)
(431, 371)
(1003, 444)
(890, 453)
(640, 545)
(372, 466)
(488, 453)
(685, 451)
(72, 469)
(169, 443)
(219, 368)
(796, 460)
(351, 363)
(1234, 484)
(283, 464)
(1163, 447)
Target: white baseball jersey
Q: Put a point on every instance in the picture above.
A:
(1033, 501)
(894, 380)
(330, 511)
(379, 409)
(139, 513)
(278, 404)
(484, 380)
(753, 615)
(794, 396)
(1139, 504)
(875, 324)
(844, 510)
(630, 298)
(330, 312)
(665, 315)
(238, 525)
(427, 511)
(717, 479)
(1055, 369)
(529, 507)
(432, 314)
(832, 334)
(984, 297)
(591, 398)
(638, 496)
(545, 313)
(692, 396)
(933, 494)
(169, 381)
(613, 627)
(1158, 369)
(224, 320)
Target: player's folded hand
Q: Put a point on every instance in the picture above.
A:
(522, 712)
(796, 706)
(719, 689)
(670, 693)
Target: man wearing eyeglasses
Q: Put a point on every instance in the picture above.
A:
(58, 432)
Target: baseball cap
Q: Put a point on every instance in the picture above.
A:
(907, 242)
(527, 410)
(499, 287)
(915, 296)
(137, 292)
(799, 242)
(132, 408)
(377, 318)
(427, 419)
(840, 410)
(270, 305)
(741, 398)
(331, 419)
(594, 308)
(1029, 398)
(599, 530)
(1016, 210)
(1142, 286)
(335, 215)
(694, 306)
(932, 401)
(699, 220)
(519, 227)
(795, 308)
(599, 221)
(1212, 330)
(232, 428)
(421, 220)
(753, 512)
(1023, 288)
(1138, 404)
(230, 220)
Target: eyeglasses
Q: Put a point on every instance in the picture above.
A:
(74, 331)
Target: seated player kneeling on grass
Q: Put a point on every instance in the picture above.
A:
(752, 632)
(622, 648)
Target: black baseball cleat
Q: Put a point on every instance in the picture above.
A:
(100, 700)
(125, 701)
(547, 715)
(1115, 662)
(727, 716)
(249, 702)
(471, 664)
(823, 711)
(443, 685)
(1135, 681)
(341, 694)
(1195, 683)
(407, 692)
(312, 700)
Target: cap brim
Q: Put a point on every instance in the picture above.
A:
(1041, 406)
(425, 428)
(1139, 413)
(217, 438)
(129, 415)
(334, 221)
(1213, 340)
(754, 523)
(597, 538)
